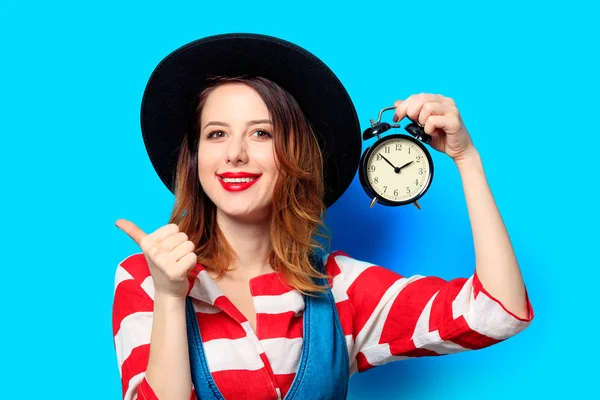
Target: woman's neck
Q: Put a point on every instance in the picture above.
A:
(251, 242)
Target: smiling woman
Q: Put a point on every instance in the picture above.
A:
(235, 298)
(289, 191)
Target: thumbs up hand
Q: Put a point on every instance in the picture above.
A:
(169, 253)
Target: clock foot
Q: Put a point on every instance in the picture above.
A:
(416, 203)
(373, 202)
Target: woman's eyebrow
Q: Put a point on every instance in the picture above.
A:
(250, 123)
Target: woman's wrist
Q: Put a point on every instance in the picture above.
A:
(168, 302)
(469, 158)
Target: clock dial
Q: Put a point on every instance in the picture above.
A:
(398, 169)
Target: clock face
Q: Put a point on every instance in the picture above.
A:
(399, 169)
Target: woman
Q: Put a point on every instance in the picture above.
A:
(233, 298)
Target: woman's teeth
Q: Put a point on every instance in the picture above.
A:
(238, 180)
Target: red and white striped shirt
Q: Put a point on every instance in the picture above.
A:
(385, 317)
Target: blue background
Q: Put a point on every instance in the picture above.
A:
(524, 77)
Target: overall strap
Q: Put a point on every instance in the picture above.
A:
(204, 385)
(324, 365)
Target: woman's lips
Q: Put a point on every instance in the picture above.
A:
(237, 186)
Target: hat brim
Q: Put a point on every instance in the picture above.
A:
(168, 100)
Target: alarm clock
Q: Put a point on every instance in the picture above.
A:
(397, 169)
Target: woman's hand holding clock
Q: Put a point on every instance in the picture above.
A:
(440, 118)
(435, 121)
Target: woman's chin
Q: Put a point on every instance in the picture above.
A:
(243, 213)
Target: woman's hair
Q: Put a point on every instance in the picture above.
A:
(297, 206)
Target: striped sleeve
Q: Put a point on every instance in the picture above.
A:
(396, 317)
(133, 306)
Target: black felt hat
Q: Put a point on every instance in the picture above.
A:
(170, 97)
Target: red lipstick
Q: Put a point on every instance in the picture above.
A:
(249, 180)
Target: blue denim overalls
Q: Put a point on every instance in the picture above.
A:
(323, 368)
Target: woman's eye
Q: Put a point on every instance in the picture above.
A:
(215, 134)
(262, 134)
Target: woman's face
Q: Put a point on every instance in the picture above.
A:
(236, 159)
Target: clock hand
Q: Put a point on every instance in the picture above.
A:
(396, 169)
(388, 161)
(405, 165)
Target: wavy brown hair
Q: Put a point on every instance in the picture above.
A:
(298, 209)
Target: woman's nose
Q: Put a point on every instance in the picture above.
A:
(236, 151)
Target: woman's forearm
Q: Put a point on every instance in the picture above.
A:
(496, 264)
(168, 371)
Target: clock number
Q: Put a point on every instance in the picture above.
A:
(376, 179)
(384, 189)
(418, 158)
(399, 146)
(420, 171)
(396, 192)
(416, 182)
(372, 167)
(409, 150)
(378, 157)
(407, 190)
(387, 149)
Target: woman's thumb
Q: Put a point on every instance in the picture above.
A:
(131, 229)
